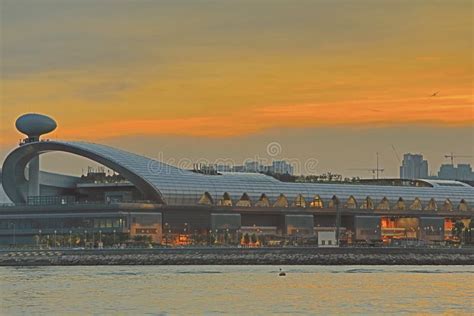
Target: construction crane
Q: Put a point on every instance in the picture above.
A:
(396, 154)
(375, 171)
(452, 156)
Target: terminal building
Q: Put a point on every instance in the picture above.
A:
(146, 198)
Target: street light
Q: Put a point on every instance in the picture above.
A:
(85, 238)
(39, 232)
(114, 236)
(54, 245)
(70, 239)
(166, 233)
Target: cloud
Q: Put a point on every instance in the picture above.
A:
(448, 111)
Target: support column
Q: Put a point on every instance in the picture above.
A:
(33, 177)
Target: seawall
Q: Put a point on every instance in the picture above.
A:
(241, 256)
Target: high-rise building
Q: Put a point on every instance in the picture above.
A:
(451, 172)
(413, 167)
(282, 167)
(252, 166)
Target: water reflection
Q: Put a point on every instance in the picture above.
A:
(236, 289)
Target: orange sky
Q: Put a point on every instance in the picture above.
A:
(231, 69)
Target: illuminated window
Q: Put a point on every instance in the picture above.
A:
(447, 206)
(226, 200)
(317, 202)
(368, 204)
(282, 201)
(463, 207)
(400, 205)
(384, 204)
(244, 201)
(334, 202)
(206, 199)
(351, 202)
(416, 205)
(263, 201)
(299, 201)
(432, 206)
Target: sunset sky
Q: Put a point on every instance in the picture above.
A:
(333, 80)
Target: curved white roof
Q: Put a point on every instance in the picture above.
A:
(184, 187)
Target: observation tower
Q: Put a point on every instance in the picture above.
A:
(34, 125)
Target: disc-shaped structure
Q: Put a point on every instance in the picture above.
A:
(35, 125)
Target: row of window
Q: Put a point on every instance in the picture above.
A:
(66, 223)
(350, 203)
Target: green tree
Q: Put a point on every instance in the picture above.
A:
(458, 229)
(246, 239)
(226, 237)
(253, 238)
(212, 239)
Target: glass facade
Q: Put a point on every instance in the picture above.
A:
(367, 228)
(57, 222)
(299, 224)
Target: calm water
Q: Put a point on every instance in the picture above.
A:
(251, 290)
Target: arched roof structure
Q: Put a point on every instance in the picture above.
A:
(167, 184)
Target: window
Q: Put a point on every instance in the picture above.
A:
(416, 205)
(263, 201)
(299, 201)
(384, 204)
(317, 202)
(282, 201)
(432, 206)
(244, 201)
(206, 199)
(351, 203)
(368, 204)
(334, 202)
(226, 200)
(400, 205)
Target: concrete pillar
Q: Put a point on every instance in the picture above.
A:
(33, 176)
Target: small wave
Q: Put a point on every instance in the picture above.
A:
(435, 271)
(118, 273)
(198, 272)
(361, 271)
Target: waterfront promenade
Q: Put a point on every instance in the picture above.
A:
(240, 256)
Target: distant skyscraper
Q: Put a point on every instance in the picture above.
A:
(282, 167)
(413, 167)
(252, 166)
(461, 172)
(464, 172)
